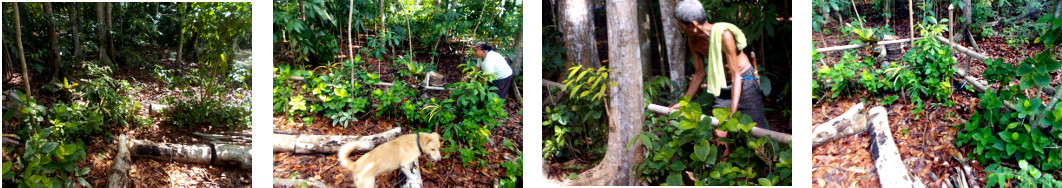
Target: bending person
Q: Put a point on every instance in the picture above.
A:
(494, 64)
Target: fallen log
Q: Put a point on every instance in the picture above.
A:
(891, 170)
(119, 175)
(756, 131)
(329, 144)
(292, 182)
(217, 154)
(853, 121)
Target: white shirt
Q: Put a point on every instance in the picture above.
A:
(496, 65)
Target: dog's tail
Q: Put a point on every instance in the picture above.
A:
(344, 153)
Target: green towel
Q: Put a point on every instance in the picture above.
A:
(716, 76)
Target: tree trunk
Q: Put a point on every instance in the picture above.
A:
(21, 53)
(675, 45)
(119, 176)
(891, 170)
(853, 121)
(74, 25)
(101, 31)
(53, 40)
(577, 25)
(216, 154)
(180, 43)
(625, 107)
(644, 41)
(110, 35)
(307, 144)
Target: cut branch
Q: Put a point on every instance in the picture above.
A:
(119, 176)
(292, 182)
(756, 131)
(307, 144)
(891, 170)
(853, 121)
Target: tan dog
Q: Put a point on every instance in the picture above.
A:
(400, 152)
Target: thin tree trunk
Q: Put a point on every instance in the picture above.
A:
(180, 43)
(110, 27)
(350, 28)
(625, 107)
(577, 25)
(644, 41)
(21, 53)
(53, 40)
(101, 32)
(74, 25)
(675, 45)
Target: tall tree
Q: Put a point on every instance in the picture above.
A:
(21, 54)
(675, 44)
(101, 31)
(74, 26)
(626, 112)
(577, 24)
(110, 28)
(53, 40)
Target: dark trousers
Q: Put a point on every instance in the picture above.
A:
(751, 102)
(502, 85)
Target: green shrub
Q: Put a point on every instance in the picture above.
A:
(209, 112)
(581, 116)
(50, 156)
(685, 144)
(108, 96)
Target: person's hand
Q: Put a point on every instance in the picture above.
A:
(673, 107)
(720, 133)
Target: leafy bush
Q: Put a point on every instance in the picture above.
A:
(108, 95)
(1027, 177)
(686, 144)
(1029, 134)
(513, 173)
(209, 112)
(581, 116)
(307, 43)
(51, 154)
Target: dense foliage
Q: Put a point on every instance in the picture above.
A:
(685, 145)
(1031, 133)
(924, 74)
(581, 116)
(343, 93)
(313, 29)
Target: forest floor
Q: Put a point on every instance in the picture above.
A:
(148, 172)
(448, 172)
(925, 140)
